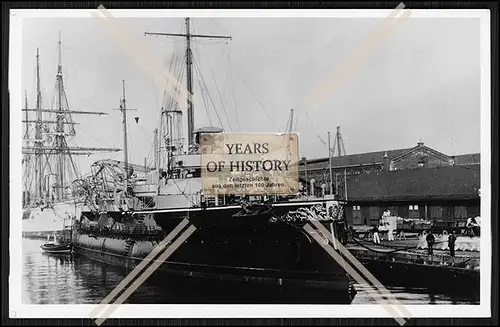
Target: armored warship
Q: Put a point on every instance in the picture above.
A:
(131, 209)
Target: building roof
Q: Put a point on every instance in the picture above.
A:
(452, 182)
(376, 157)
(468, 159)
(355, 159)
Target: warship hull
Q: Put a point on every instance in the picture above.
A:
(42, 219)
(264, 247)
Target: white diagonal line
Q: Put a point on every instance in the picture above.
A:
(362, 269)
(389, 308)
(140, 267)
(143, 56)
(138, 282)
(354, 61)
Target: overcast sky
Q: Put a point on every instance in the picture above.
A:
(423, 82)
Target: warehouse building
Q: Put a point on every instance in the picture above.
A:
(416, 183)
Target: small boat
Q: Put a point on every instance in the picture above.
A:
(55, 246)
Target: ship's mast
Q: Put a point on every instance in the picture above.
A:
(330, 164)
(188, 36)
(156, 150)
(26, 116)
(38, 131)
(26, 160)
(125, 145)
(189, 77)
(123, 109)
(58, 151)
(60, 137)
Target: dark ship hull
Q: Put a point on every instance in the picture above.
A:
(264, 245)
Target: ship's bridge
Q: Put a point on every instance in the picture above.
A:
(206, 129)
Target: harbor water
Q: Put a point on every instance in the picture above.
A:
(73, 279)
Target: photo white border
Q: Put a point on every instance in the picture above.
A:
(19, 310)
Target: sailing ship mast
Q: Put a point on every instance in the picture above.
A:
(38, 131)
(60, 140)
(189, 74)
(58, 151)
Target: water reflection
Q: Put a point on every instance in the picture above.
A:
(73, 279)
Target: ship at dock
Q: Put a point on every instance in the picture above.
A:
(129, 209)
(49, 160)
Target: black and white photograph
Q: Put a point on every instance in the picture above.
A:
(110, 204)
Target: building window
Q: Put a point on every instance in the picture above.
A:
(413, 211)
(460, 212)
(356, 215)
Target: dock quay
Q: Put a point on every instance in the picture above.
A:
(402, 263)
(42, 235)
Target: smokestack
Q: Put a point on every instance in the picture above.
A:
(386, 162)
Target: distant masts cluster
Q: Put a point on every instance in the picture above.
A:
(57, 153)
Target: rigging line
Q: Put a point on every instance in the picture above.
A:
(221, 100)
(256, 98)
(180, 83)
(210, 97)
(206, 105)
(223, 30)
(314, 128)
(230, 70)
(75, 169)
(70, 118)
(226, 83)
(205, 102)
(180, 74)
(149, 138)
(198, 69)
(47, 162)
(95, 138)
(260, 103)
(166, 98)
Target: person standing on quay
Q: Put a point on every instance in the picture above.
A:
(430, 242)
(376, 238)
(451, 243)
